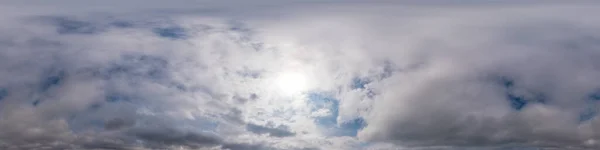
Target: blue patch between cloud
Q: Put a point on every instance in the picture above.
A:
(590, 112)
(587, 114)
(238, 26)
(351, 127)
(52, 80)
(595, 96)
(121, 24)
(70, 26)
(3, 94)
(506, 82)
(117, 98)
(325, 101)
(111, 97)
(518, 102)
(95, 106)
(146, 66)
(388, 69)
(358, 83)
(171, 32)
(35, 103)
(249, 73)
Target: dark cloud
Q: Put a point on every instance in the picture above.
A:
(166, 137)
(277, 132)
(70, 26)
(117, 123)
(243, 146)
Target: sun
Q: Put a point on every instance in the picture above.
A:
(291, 83)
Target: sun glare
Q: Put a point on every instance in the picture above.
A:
(291, 83)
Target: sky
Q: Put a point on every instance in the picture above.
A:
(299, 75)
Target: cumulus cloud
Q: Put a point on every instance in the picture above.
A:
(299, 75)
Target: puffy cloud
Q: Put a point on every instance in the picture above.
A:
(334, 75)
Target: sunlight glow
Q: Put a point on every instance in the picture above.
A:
(291, 83)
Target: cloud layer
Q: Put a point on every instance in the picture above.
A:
(313, 75)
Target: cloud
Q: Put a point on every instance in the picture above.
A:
(491, 87)
(380, 75)
(167, 137)
(277, 132)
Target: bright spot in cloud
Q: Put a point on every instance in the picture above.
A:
(291, 83)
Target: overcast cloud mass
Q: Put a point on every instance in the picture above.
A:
(299, 75)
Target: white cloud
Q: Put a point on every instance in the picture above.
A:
(383, 75)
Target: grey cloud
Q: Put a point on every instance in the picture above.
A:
(69, 25)
(166, 137)
(469, 75)
(277, 132)
(245, 147)
(461, 107)
(91, 96)
(117, 123)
